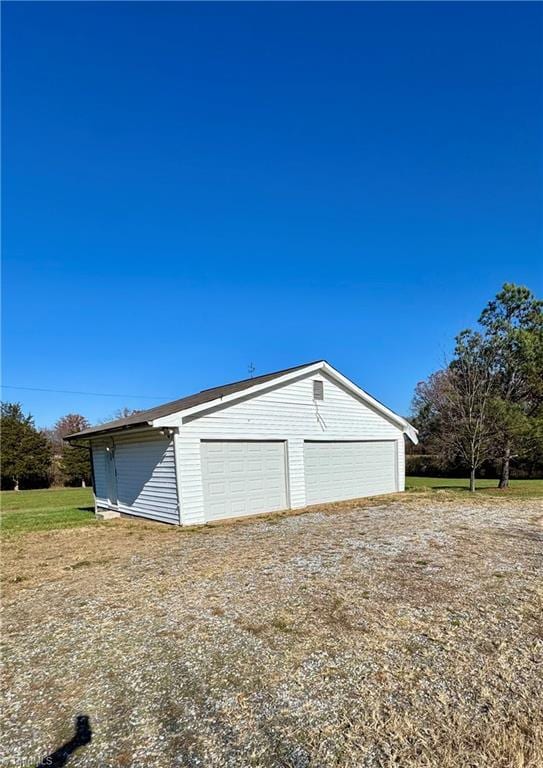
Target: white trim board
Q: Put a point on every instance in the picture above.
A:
(176, 419)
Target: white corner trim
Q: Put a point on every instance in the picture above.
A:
(177, 460)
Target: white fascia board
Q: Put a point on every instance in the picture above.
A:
(412, 433)
(175, 419)
(115, 432)
(409, 430)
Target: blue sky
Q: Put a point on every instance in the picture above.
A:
(192, 187)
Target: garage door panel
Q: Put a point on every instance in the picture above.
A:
(215, 468)
(336, 471)
(252, 474)
(255, 484)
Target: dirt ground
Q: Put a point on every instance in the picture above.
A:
(403, 632)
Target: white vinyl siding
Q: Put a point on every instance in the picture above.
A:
(137, 476)
(400, 461)
(252, 455)
(242, 478)
(290, 411)
(336, 471)
(287, 413)
(99, 465)
(146, 477)
(190, 477)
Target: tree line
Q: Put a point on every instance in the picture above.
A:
(39, 458)
(482, 413)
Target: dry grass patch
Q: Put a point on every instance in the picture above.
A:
(363, 635)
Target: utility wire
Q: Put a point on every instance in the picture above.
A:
(76, 392)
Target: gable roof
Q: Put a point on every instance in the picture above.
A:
(142, 418)
(231, 392)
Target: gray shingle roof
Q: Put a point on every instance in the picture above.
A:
(141, 418)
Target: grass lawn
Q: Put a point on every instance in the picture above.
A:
(54, 508)
(518, 488)
(46, 509)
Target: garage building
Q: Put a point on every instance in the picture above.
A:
(285, 440)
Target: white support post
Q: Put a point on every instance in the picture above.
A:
(190, 478)
(177, 459)
(296, 473)
(400, 463)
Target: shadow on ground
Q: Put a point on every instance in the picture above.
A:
(81, 737)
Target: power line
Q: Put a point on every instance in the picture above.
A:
(77, 392)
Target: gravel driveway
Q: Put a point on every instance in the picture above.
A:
(403, 632)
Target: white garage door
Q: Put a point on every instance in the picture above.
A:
(243, 478)
(335, 471)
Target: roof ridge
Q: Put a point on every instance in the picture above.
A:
(261, 376)
(197, 398)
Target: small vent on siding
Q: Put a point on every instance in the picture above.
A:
(318, 390)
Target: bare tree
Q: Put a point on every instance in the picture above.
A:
(120, 413)
(457, 405)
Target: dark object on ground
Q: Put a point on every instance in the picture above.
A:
(82, 736)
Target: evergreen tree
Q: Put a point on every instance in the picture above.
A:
(75, 465)
(513, 327)
(25, 452)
